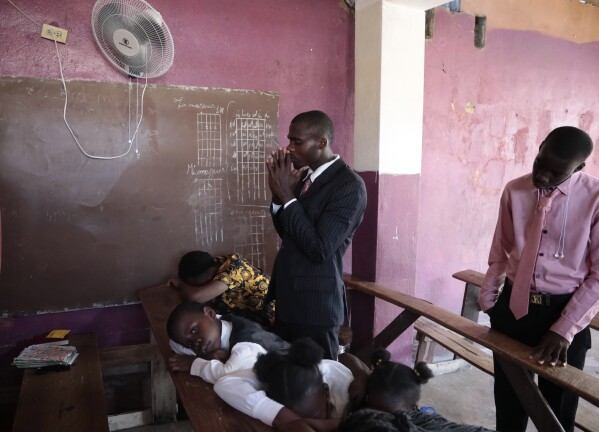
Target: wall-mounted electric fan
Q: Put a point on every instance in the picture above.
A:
(133, 36)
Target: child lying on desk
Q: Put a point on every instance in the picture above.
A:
(229, 283)
(284, 388)
(203, 341)
(394, 389)
(301, 392)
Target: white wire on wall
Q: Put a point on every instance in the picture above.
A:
(66, 98)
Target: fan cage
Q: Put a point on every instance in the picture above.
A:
(137, 17)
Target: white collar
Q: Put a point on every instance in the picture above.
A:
(225, 334)
(318, 171)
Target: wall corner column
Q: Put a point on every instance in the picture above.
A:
(389, 97)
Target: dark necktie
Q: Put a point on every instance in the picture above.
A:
(306, 185)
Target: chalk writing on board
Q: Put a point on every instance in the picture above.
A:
(230, 177)
(249, 238)
(250, 148)
(114, 227)
(209, 139)
(208, 211)
(194, 170)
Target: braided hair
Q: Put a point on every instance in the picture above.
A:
(392, 386)
(293, 377)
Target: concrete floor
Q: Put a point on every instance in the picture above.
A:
(466, 396)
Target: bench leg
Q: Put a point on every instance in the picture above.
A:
(386, 337)
(530, 396)
(164, 396)
(426, 348)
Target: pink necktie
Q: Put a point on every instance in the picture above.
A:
(306, 185)
(521, 288)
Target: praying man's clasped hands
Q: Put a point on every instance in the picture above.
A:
(283, 178)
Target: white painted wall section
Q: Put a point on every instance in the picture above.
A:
(402, 90)
(367, 86)
(389, 85)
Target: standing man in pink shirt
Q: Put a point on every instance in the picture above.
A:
(550, 280)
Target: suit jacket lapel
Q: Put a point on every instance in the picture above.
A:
(323, 178)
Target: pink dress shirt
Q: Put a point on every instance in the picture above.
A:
(577, 272)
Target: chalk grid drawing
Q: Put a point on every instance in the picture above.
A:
(250, 241)
(250, 147)
(209, 138)
(209, 212)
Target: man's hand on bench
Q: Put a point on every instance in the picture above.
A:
(552, 348)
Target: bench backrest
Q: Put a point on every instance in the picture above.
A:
(585, 385)
(474, 280)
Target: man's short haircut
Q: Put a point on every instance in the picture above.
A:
(187, 307)
(194, 264)
(319, 124)
(569, 143)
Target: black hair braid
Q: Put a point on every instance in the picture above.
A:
(305, 352)
(423, 372)
(379, 356)
(287, 378)
(266, 363)
(398, 383)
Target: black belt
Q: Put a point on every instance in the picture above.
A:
(540, 298)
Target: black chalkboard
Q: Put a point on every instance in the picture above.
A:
(79, 232)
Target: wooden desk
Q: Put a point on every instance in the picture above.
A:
(71, 400)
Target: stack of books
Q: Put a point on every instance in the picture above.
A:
(49, 350)
(37, 356)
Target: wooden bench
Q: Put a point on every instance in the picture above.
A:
(69, 400)
(586, 419)
(470, 308)
(206, 411)
(512, 355)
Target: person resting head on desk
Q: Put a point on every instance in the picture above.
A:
(210, 347)
(392, 395)
(299, 385)
(229, 283)
(390, 403)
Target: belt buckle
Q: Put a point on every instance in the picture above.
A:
(536, 298)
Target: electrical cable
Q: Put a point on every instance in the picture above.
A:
(66, 97)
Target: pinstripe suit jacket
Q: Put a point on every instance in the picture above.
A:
(307, 278)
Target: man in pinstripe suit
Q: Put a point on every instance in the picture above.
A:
(318, 202)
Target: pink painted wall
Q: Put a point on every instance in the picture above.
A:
(303, 50)
(522, 85)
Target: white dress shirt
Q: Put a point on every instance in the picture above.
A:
(243, 391)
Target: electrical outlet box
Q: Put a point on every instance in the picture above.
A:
(54, 33)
